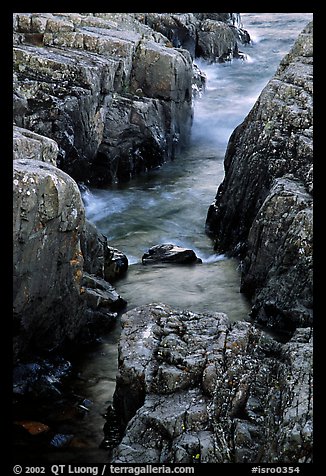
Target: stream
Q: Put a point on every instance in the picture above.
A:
(169, 205)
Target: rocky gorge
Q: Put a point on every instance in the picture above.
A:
(99, 98)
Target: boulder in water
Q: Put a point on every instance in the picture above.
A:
(169, 253)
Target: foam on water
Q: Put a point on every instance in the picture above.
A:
(170, 205)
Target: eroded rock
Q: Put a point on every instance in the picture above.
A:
(111, 90)
(75, 73)
(48, 217)
(195, 388)
(260, 216)
(212, 36)
(28, 145)
(100, 294)
(62, 263)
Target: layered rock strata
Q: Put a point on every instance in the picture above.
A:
(263, 208)
(195, 388)
(113, 93)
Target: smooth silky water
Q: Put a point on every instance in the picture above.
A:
(169, 205)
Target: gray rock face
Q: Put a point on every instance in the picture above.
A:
(212, 36)
(28, 145)
(169, 253)
(278, 267)
(100, 294)
(117, 101)
(110, 90)
(48, 216)
(256, 214)
(194, 388)
(59, 259)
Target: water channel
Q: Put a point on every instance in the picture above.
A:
(169, 205)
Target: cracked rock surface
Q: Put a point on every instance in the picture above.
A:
(263, 208)
(111, 90)
(195, 388)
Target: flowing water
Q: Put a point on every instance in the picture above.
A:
(169, 205)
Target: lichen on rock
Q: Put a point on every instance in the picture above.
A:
(265, 199)
(196, 388)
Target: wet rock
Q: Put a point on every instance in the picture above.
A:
(24, 376)
(216, 41)
(195, 388)
(100, 294)
(115, 264)
(40, 379)
(33, 427)
(48, 216)
(53, 248)
(263, 208)
(140, 132)
(101, 259)
(169, 253)
(111, 430)
(60, 440)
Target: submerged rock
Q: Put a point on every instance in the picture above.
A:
(196, 388)
(168, 253)
(263, 208)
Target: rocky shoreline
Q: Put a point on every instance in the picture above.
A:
(263, 208)
(99, 98)
(114, 93)
(194, 388)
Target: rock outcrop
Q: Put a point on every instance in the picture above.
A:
(28, 144)
(169, 253)
(48, 216)
(60, 261)
(195, 388)
(263, 208)
(113, 93)
(101, 259)
(102, 97)
(212, 36)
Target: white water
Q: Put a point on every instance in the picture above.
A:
(170, 205)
